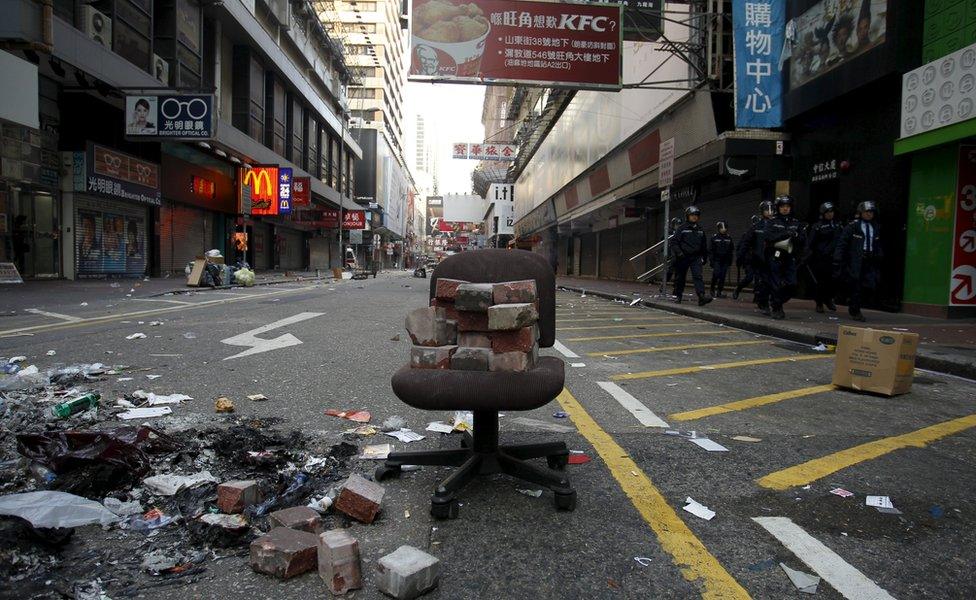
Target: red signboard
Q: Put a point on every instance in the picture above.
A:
(203, 188)
(260, 183)
(118, 165)
(512, 41)
(962, 288)
(354, 219)
(301, 191)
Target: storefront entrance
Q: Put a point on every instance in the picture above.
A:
(34, 233)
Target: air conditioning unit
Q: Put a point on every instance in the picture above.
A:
(161, 69)
(96, 25)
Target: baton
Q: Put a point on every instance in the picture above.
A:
(812, 276)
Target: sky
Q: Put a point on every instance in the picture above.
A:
(452, 112)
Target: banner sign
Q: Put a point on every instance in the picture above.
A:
(284, 190)
(260, 184)
(170, 116)
(486, 151)
(517, 41)
(301, 191)
(940, 93)
(759, 30)
(354, 219)
(962, 288)
(114, 174)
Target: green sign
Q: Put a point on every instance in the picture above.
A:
(931, 203)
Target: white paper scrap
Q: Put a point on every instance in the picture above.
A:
(708, 444)
(879, 502)
(145, 413)
(699, 510)
(136, 336)
(438, 427)
(577, 365)
(377, 452)
(156, 399)
(636, 301)
(804, 583)
(841, 492)
(405, 435)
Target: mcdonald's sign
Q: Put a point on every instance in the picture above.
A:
(260, 185)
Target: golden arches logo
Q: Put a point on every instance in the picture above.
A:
(260, 181)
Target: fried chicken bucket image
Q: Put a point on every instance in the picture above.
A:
(448, 38)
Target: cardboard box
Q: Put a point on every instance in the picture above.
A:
(873, 360)
(196, 274)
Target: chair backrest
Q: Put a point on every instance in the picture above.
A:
(493, 265)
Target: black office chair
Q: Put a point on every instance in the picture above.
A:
(486, 393)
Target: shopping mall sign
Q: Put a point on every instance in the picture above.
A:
(759, 28)
(517, 41)
(106, 172)
(258, 189)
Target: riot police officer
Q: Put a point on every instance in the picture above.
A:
(752, 252)
(819, 256)
(720, 252)
(690, 252)
(857, 257)
(783, 239)
(673, 226)
(744, 258)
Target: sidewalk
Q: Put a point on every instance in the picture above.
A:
(945, 345)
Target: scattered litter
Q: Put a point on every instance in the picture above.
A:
(807, 487)
(617, 319)
(376, 452)
(122, 509)
(51, 352)
(224, 405)
(257, 397)
(136, 336)
(122, 402)
(533, 493)
(699, 510)
(438, 427)
(578, 459)
(643, 561)
(540, 425)
(393, 423)
(16, 359)
(803, 582)
(708, 444)
(50, 509)
(879, 502)
(151, 377)
(560, 414)
(365, 430)
(745, 438)
(687, 434)
(636, 301)
(936, 511)
(577, 365)
(158, 400)
(145, 413)
(168, 485)
(819, 347)
(121, 379)
(84, 304)
(359, 416)
(155, 323)
(899, 328)
(405, 435)
(395, 338)
(889, 511)
(190, 335)
(463, 421)
(152, 519)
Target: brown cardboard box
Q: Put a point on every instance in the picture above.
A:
(873, 360)
(196, 274)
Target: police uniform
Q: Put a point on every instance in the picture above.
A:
(721, 249)
(783, 239)
(690, 249)
(857, 259)
(819, 256)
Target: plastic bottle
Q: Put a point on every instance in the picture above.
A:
(75, 405)
(42, 474)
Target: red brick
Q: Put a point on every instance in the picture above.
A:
(473, 339)
(474, 297)
(339, 563)
(449, 311)
(513, 292)
(234, 496)
(472, 321)
(284, 553)
(428, 327)
(360, 499)
(512, 316)
(446, 289)
(297, 517)
(470, 359)
(519, 340)
(510, 361)
(437, 357)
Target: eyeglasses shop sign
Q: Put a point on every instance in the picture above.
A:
(170, 116)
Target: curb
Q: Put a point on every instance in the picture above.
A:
(188, 290)
(923, 359)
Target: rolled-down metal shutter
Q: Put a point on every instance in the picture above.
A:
(587, 262)
(110, 237)
(633, 239)
(291, 249)
(262, 246)
(736, 211)
(184, 233)
(610, 253)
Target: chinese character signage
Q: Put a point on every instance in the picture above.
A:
(512, 41)
(354, 219)
(175, 117)
(486, 151)
(260, 185)
(939, 94)
(284, 190)
(759, 30)
(301, 191)
(114, 174)
(962, 289)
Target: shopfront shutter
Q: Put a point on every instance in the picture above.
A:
(184, 233)
(633, 239)
(110, 237)
(736, 211)
(292, 249)
(588, 255)
(610, 253)
(263, 245)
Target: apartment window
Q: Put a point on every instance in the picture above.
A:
(358, 50)
(248, 93)
(361, 72)
(275, 116)
(178, 43)
(296, 135)
(313, 159)
(363, 6)
(325, 167)
(334, 165)
(362, 93)
(131, 30)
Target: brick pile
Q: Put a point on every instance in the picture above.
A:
(477, 327)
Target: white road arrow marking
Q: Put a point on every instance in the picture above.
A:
(258, 345)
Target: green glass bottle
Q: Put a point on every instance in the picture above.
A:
(75, 405)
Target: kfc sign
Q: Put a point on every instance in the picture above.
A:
(354, 219)
(260, 184)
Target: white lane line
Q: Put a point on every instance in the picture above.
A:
(258, 345)
(844, 578)
(160, 300)
(644, 415)
(560, 348)
(53, 315)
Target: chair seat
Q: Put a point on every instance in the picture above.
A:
(435, 389)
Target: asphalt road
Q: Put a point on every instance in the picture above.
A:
(509, 545)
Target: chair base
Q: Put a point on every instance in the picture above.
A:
(481, 454)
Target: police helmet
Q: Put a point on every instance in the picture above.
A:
(721, 226)
(826, 207)
(755, 219)
(766, 206)
(675, 223)
(784, 201)
(692, 210)
(867, 206)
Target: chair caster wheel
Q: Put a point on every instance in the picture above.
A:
(444, 510)
(386, 472)
(558, 462)
(566, 501)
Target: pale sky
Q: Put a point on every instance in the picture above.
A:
(452, 113)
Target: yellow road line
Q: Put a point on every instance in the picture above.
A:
(691, 415)
(636, 326)
(648, 335)
(729, 365)
(619, 319)
(678, 347)
(818, 468)
(696, 563)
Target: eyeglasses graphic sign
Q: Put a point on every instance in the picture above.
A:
(115, 174)
(170, 116)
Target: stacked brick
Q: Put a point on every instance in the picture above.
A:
(477, 327)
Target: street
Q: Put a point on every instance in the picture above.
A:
(633, 374)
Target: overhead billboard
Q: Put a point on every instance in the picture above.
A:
(258, 188)
(464, 208)
(171, 116)
(517, 41)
